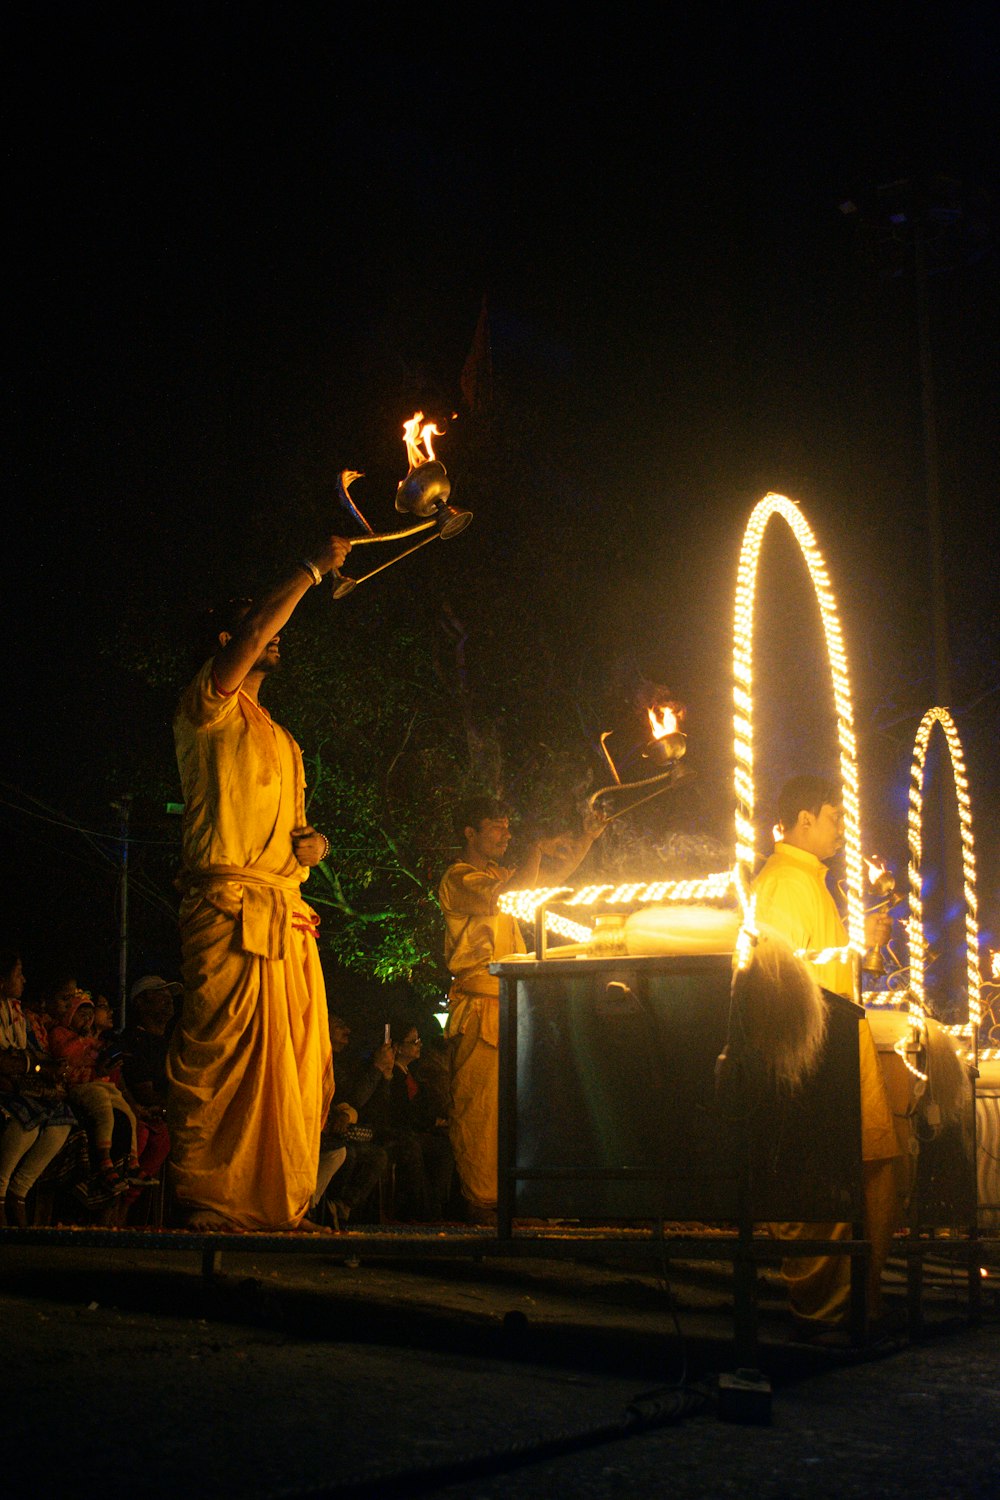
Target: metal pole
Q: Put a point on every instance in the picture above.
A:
(950, 854)
(507, 1116)
(125, 808)
(932, 473)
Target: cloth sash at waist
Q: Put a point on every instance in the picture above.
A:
(264, 903)
(464, 1002)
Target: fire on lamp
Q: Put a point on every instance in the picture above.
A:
(668, 743)
(426, 490)
(666, 747)
(424, 493)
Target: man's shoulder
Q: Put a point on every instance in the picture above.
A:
(782, 880)
(462, 873)
(491, 870)
(451, 882)
(781, 865)
(203, 704)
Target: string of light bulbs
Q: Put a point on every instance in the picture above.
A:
(743, 781)
(915, 922)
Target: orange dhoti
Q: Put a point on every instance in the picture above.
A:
(476, 935)
(473, 1025)
(793, 898)
(819, 1287)
(250, 1068)
(251, 1075)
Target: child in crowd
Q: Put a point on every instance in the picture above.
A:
(92, 1092)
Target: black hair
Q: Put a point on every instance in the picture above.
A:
(805, 794)
(55, 980)
(222, 616)
(475, 810)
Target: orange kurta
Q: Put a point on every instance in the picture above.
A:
(476, 935)
(792, 897)
(250, 1067)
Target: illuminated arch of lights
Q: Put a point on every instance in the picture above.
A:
(525, 903)
(780, 505)
(915, 922)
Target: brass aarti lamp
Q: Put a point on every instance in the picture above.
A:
(424, 493)
(665, 749)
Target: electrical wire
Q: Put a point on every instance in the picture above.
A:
(65, 822)
(139, 882)
(649, 1409)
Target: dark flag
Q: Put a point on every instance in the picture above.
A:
(476, 380)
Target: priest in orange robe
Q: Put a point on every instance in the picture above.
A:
(250, 1068)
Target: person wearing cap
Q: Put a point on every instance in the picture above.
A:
(146, 1039)
(792, 897)
(152, 984)
(249, 1068)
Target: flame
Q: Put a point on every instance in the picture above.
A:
(874, 869)
(414, 434)
(995, 965)
(662, 721)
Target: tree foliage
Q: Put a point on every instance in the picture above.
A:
(482, 664)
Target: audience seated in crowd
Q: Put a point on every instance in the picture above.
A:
(74, 1187)
(35, 1119)
(92, 1091)
(82, 1109)
(142, 1072)
(57, 1047)
(410, 1120)
(146, 1039)
(351, 1162)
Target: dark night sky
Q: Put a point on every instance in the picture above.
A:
(241, 244)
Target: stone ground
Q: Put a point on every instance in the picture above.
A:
(300, 1375)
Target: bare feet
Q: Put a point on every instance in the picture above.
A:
(207, 1221)
(309, 1226)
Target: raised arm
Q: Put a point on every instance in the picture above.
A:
(525, 873)
(562, 854)
(552, 861)
(244, 648)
